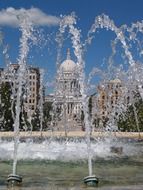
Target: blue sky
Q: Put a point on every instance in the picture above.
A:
(121, 11)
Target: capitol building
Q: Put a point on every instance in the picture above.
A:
(67, 98)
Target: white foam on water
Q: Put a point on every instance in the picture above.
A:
(66, 150)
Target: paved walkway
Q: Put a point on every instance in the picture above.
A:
(73, 134)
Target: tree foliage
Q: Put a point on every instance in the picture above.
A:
(5, 108)
(127, 121)
(47, 112)
(36, 120)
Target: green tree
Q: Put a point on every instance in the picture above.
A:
(90, 105)
(127, 121)
(46, 116)
(36, 120)
(7, 123)
(47, 112)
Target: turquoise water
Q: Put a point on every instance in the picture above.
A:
(124, 173)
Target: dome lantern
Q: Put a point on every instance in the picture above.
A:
(68, 54)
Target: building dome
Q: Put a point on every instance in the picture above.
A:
(68, 65)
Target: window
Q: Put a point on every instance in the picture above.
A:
(103, 97)
(116, 92)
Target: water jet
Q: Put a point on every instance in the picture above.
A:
(14, 180)
(91, 181)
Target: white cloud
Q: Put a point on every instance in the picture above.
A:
(8, 17)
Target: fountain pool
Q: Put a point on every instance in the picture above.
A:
(62, 164)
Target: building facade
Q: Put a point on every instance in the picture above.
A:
(33, 90)
(30, 96)
(67, 98)
(106, 101)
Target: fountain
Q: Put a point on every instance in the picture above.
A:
(95, 149)
(26, 29)
(102, 21)
(70, 21)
